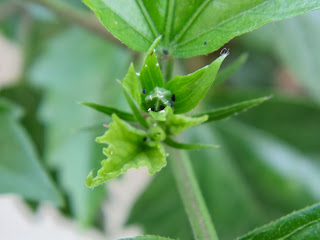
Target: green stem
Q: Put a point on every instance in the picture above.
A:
(79, 17)
(199, 217)
(169, 65)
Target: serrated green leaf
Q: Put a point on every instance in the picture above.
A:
(131, 84)
(228, 71)
(190, 28)
(304, 224)
(20, 169)
(190, 89)
(150, 75)
(189, 146)
(225, 112)
(127, 149)
(110, 110)
(147, 237)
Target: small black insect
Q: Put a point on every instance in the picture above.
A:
(145, 139)
(205, 43)
(144, 91)
(171, 104)
(152, 109)
(173, 97)
(162, 107)
(165, 51)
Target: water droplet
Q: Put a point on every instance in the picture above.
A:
(157, 64)
(167, 154)
(111, 153)
(162, 111)
(145, 65)
(154, 125)
(224, 51)
(154, 50)
(138, 74)
(149, 109)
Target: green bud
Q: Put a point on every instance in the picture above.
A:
(158, 99)
(156, 134)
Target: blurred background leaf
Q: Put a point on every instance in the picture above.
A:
(20, 169)
(77, 66)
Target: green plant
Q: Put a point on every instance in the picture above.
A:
(255, 175)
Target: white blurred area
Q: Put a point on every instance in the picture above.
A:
(18, 222)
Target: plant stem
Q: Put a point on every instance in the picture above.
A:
(199, 217)
(79, 17)
(169, 67)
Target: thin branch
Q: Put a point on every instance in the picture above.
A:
(79, 17)
(199, 217)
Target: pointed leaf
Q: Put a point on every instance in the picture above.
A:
(303, 224)
(127, 149)
(150, 74)
(134, 108)
(225, 112)
(227, 72)
(131, 84)
(110, 110)
(189, 146)
(190, 28)
(20, 169)
(190, 89)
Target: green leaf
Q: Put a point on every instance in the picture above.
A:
(20, 169)
(280, 38)
(279, 171)
(303, 224)
(189, 146)
(227, 72)
(190, 89)
(147, 237)
(110, 110)
(150, 75)
(225, 112)
(190, 28)
(178, 123)
(134, 108)
(127, 149)
(73, 67)
(131, 84)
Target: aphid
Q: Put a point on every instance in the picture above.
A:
(205, 43)
(152, 109)
(162, 107)
(145, 139)
(165, 51)
(173, 97)
(144, 91)
(151, 53)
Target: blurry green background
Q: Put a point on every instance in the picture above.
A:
(268, 164)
